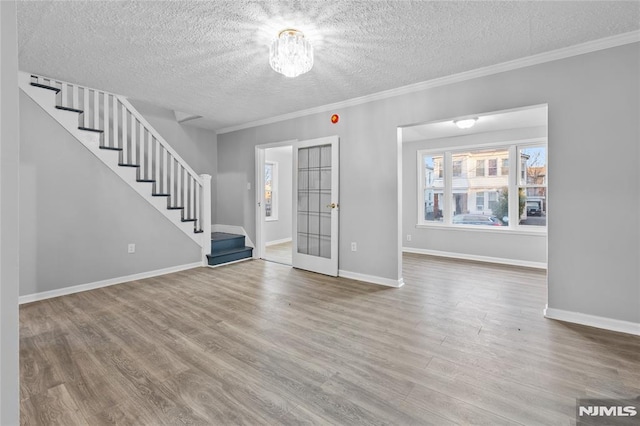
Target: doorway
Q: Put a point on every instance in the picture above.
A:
(297, 207)
(277, 200)
(274, 209)
(477, 191)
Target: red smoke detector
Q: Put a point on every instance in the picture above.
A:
(335, 118)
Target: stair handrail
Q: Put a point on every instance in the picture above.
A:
(167, 169)
(158, 137)
(124, 101)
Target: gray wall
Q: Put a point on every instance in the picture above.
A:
(593, 115)
(364, 216)
(282, 228)
(78, 216)
(9, 216)
(476, 242)
(196, 146)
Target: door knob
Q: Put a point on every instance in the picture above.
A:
(332, 205)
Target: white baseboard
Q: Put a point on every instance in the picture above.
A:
(233, 229)
(276, 242)
(477, 258)
(593, 321)
(371, 279)
(104, 283)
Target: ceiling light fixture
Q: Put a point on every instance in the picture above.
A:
(290, 53)
(466, 123)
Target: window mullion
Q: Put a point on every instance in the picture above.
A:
(514, 170)
(421, 187)
(448, 187)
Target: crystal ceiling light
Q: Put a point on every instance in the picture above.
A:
(290, 53)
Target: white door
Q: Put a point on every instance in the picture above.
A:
(315, 207)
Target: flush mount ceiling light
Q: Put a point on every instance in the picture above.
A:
(466, 123)
(290, 53)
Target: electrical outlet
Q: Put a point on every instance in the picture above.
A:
(354, 247)
(249, 186)
(131, 248)
(408, 237)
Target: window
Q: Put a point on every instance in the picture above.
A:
(533, 186)
(480, 201)
(437, 166)
(431, 189)
(493, 200)
(270, 190)
(457, 168)
(505, 167)
(454, 190)
(493, 167)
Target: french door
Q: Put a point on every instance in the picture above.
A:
(315, 192)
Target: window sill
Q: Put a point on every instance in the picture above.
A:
(485, 229)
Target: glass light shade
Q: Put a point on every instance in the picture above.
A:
(291, 54)
(466, 123)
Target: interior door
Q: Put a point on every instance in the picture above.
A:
(315, 192)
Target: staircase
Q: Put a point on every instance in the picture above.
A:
(227, 248)
(115, 132)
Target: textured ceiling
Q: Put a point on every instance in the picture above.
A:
(211, 58)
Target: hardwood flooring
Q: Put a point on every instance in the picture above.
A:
(280, 253)
(262, 343)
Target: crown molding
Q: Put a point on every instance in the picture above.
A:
(553, 55)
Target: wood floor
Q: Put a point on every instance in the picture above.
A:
(280, 253)
(261, 343)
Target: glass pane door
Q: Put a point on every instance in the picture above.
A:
(316, 218)
(314, 200)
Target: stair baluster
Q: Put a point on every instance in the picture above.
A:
(105, 119)
(96, 110)
(196, 205)
(124, 144)
(85, 107)
(147, 155)
(140, 146)
(75, 97)
(166, 185)
(156, 163)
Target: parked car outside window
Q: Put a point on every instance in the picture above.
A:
(533, 209)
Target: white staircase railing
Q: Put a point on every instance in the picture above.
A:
(124, 129)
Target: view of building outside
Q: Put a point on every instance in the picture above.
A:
(480, 184)
(433, 188)
(533, 183)
(268, 189)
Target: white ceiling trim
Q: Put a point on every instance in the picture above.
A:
(553, 55)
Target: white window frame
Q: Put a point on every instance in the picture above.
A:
(438, 167)
(523, 173)
(274, 192)
(513, 148)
